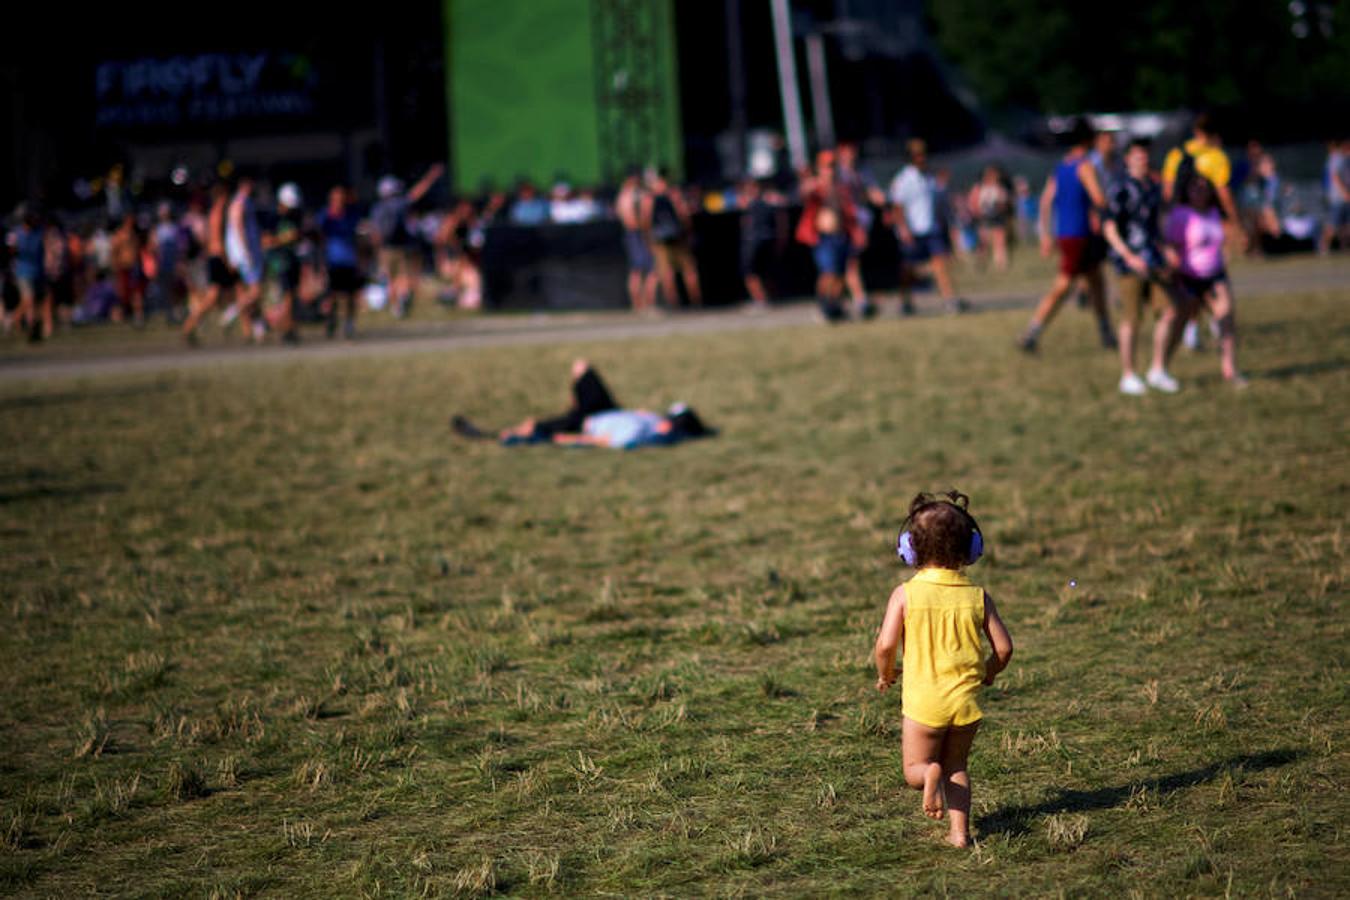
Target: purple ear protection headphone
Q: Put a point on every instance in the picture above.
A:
(904, 545)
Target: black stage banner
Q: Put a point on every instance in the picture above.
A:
(583, 266)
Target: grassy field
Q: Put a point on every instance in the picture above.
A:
(272, 630)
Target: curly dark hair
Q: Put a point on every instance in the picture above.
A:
(941, 529)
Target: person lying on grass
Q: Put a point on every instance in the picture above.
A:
(596, 420)
(937, 617)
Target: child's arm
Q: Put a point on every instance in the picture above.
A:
(999, 639)
(891, 638)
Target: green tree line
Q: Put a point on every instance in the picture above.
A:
(1271, 58)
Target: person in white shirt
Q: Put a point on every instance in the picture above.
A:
(916, 209)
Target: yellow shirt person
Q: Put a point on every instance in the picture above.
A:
(937, 618)
(1210, 161)
(943, 664)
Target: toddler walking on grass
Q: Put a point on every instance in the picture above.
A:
(937, 617)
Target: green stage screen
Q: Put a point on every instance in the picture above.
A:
(581, 89)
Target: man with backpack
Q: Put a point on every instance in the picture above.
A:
(666, 220)
(1200, 157)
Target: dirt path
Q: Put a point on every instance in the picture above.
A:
(1254, 280)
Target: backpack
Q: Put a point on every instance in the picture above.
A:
(1186, 174)
(187, 239)
(666, 225)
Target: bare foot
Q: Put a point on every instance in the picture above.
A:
(932, 796)
(958, 839)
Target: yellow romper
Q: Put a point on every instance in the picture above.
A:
(943, 661)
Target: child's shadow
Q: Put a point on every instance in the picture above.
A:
(1016, 820)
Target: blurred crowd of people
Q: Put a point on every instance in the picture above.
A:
(1168, 233)
(266, 260)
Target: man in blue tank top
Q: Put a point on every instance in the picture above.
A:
(1075, 195)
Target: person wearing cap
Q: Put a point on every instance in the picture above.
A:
(916, 211)
(283, 261)
(397, 253)
(595, 419)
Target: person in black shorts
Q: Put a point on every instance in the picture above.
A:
(219, 276)
(591, 398)
(338, 226)
(590, 395)
(760, 221)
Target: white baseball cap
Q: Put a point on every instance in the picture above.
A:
(288, 195)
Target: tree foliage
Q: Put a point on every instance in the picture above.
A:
(1162, 54)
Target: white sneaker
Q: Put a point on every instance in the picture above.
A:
(1190, 336)
(1133, 385)
(1158, 379)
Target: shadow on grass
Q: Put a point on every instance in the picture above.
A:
(44, 399)
(1017, 820)
(1296, 370)
(43, 491)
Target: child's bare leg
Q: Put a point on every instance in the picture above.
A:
(1221, 306)
(754, 286)
(956, 780)
(921, 748)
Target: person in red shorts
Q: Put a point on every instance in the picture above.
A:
(1076, 197)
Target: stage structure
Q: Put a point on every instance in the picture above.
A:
(577, 89)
